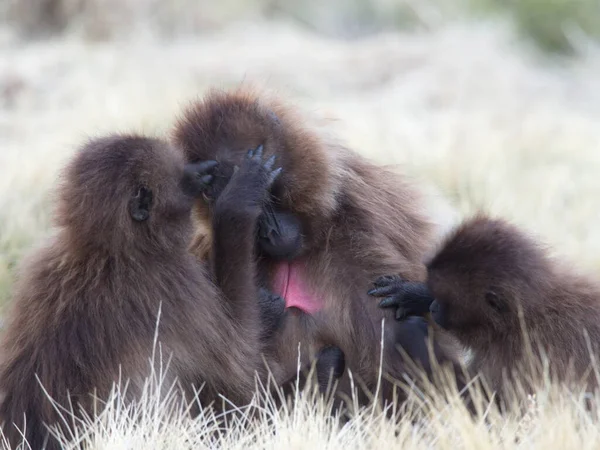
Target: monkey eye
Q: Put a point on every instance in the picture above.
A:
(495, 302)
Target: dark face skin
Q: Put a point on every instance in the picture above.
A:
(279, 234)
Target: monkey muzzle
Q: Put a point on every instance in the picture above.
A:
(279, 234)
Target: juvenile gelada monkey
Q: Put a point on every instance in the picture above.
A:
(498, 291)
(85, 308)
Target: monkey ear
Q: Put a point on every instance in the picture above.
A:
(496, 302)
(139, 205)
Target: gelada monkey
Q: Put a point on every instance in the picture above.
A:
(333, 223)
(499, 292)
(85, 309)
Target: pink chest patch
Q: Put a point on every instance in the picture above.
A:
(290, 283)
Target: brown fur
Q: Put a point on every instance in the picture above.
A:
(485, 255)
(85, 307)
(360, 221)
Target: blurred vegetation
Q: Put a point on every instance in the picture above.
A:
(555, 25)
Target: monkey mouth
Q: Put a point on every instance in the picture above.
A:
(290, 284)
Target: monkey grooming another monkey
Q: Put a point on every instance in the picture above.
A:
(333, 223)
(85, 309)
(487, 274)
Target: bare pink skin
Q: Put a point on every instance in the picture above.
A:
(289, 283)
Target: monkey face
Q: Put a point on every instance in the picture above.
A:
(279, 234)
(466, 303)
(225, 125)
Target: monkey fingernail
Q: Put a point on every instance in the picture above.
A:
(274, 175)
(250, 153)
(258, 152)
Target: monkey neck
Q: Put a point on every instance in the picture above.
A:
(290, 282)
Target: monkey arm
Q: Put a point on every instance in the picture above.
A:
(410, 298)
(236, 212)
(411, 335)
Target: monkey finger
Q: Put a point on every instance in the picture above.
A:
(383, 291)
(250, 154)
(401, 313)
(387, 279)
(257, 153)
(194, 170)
(270, 162)
(205, 166)
(273, 176)
(194, 184)
(388, 302)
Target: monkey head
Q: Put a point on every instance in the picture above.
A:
(479, 277)
(133, 187)
(225, 125)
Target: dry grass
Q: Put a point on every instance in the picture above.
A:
(553, 417)
(463, 109)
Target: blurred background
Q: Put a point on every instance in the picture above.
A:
(492, 104)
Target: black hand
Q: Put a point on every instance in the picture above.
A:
(408, 297)
(250, 184)
(198, 177)
(221, 177)
(411, 335)
(330, 366)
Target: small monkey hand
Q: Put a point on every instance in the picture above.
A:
(198, 177)
(248, 189)
(408, 297)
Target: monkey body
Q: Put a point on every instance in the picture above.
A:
(87, 306)
(352, 222)
(502, 296)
